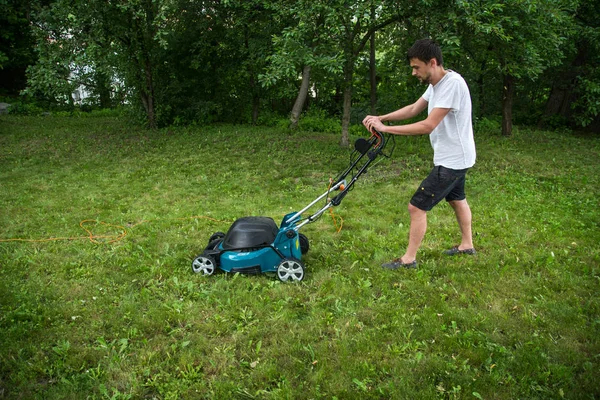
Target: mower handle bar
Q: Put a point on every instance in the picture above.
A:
(314, 216)
(378, 142)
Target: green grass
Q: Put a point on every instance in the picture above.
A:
(129, 319)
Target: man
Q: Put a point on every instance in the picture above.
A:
(449, 126)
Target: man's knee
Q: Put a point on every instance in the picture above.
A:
(414, 210)
(458, 203)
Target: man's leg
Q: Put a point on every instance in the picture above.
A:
(463, 216)
(418, 226)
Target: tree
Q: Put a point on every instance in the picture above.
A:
(524, 37)
(16, 44)
(324, 27)
(132, 30)
(57, 51)
(373, 66)
(251, 26)
(356, 26)
(214, 54)
(182, 61)
(303, 45)
(575, 84)
(78, 41)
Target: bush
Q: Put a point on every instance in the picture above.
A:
(358, 130)
(316, 120)
(555, 122)
(24, 108)
(271, 118)
(108, 112)
(487, 125)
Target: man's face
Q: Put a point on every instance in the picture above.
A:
(421, 70)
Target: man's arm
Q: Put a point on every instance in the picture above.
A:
(406, 112)
(424, 127)
(399, 115)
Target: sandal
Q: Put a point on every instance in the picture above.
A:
(454, 251)
(397, 263)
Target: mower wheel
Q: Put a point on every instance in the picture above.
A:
(304, 245)
(204, 264)
(290, 269)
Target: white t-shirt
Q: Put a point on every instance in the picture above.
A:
(452, 140)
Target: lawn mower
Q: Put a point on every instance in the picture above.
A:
(254, 245)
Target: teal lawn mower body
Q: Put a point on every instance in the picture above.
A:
(255, 245)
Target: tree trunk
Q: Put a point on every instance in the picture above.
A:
(373, 76)
(481, 96)
(254, 89)
(351, 51)
(301, 99)
(348, 72)
(562, 94)
(255, 98)
(481, 92)
(373, 68)
(103, 89)
(559, 102)
(255, 110)
(507, 101)
(148, 104)
(148, 96)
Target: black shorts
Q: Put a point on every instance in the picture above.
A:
(442, 183)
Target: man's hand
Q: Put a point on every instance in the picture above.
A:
(372, 123)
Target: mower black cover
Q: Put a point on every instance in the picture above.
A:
(250, 233)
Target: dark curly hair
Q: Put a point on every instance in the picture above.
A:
(425, 50)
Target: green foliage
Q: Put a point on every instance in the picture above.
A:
(487, 125)
(316, 120)
(273, 119)
(526, 36)
(16, 44)
(178, 62)
(308, 41)
(30, 107)
(129, 319)
(588, 101)
(25, 108)
(587, 83)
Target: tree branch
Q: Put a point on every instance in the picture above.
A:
(363, 42)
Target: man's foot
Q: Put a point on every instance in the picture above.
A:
(397, 263)
(454, 251)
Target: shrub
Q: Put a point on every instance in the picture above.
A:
(270, 118)
(316, 120)
(24, 108)
(487, 125)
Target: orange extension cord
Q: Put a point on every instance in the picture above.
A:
(86, 225)
(104, 239)
(338, 228)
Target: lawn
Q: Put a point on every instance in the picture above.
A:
(100, 220)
